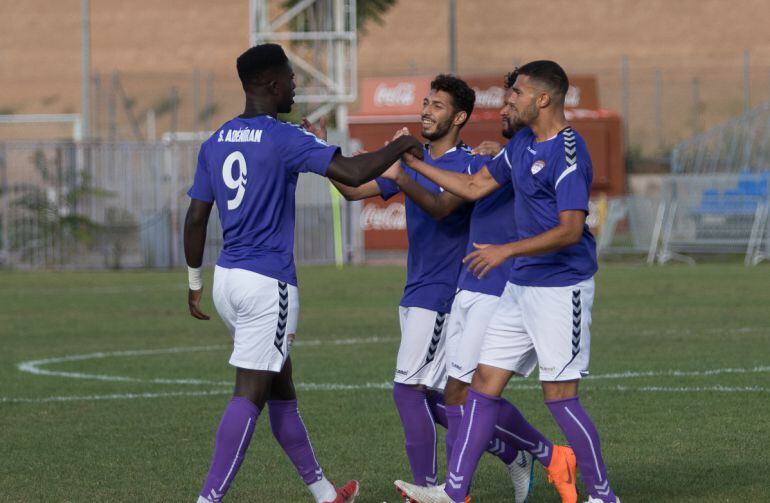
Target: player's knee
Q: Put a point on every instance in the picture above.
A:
(455, 392)
(559, 390)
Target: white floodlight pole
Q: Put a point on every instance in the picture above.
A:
(85, 65)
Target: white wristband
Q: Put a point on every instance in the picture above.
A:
(195, 278)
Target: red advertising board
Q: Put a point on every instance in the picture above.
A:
(389, 103)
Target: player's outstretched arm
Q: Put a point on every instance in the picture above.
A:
(369, 189)
(355, 171)
(195, 224)
(469, 187)
(488, 147)
(567, 233)
(438, 205)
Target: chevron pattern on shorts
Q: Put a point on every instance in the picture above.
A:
(436, 338)
(570, 147)
(577, 320)
(283, 315)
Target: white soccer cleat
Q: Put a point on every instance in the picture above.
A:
(420, 494)
(597, 500)
(522, 471)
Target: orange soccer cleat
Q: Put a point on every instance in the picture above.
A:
(561, 473)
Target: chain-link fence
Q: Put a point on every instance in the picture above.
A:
(122, 205)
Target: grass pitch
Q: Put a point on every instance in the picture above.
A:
(122, 391)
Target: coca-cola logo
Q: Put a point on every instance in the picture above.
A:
(573, 97)
(492, 97)
(378, 218)
(400, 95)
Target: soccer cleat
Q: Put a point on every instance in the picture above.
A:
(522, 471)
(561, 473)
(591, 499)
(421, 494)
(346, 493)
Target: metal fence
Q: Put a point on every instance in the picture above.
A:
(122, 205)
(739, 145)
(694, 215)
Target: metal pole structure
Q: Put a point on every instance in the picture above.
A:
(5, 247)
(85, 56)
(658, 108)
(341, 117)
(453, 36)
(252, 23)
(746, 82)
(695, 105)
(97, 129)
(626, 97)
(196, 100)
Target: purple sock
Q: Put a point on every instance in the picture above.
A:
(290, 432)
(232, 440)
(454, 415)
(438, 408)
(476, 430)
(516, 431)
(582, 436)
(419, 432)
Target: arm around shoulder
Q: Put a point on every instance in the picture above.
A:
(469, 187)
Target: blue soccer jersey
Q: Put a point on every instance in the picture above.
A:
(249, 167)
(436, 247)
(547, 178)
(492, 222)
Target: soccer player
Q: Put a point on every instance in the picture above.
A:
(544, 315)
(249, 167)
(437, 243)
(476, 300)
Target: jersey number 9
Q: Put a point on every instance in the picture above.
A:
(235, 183)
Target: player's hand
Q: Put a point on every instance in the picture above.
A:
(487, 147)
(415, 147)
(319, 130)
(393, 172)
(193, 302)
(359, 152)
(485, 258)
(404, 131)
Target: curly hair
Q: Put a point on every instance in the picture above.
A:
(463, 96)
(510, 78)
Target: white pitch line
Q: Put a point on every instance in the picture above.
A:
(35, 367)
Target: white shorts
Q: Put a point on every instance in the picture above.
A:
(261, 314)
(544, 326)
(471, 312)
(421, 354)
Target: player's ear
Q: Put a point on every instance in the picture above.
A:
(460, 118)
(544, 100)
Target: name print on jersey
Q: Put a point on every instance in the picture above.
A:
(240, 135)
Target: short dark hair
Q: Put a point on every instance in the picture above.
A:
(257, 59)
(463, 96)
(545, 72)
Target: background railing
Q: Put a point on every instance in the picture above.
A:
(122, 205)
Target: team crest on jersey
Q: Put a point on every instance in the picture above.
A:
(537, 166)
